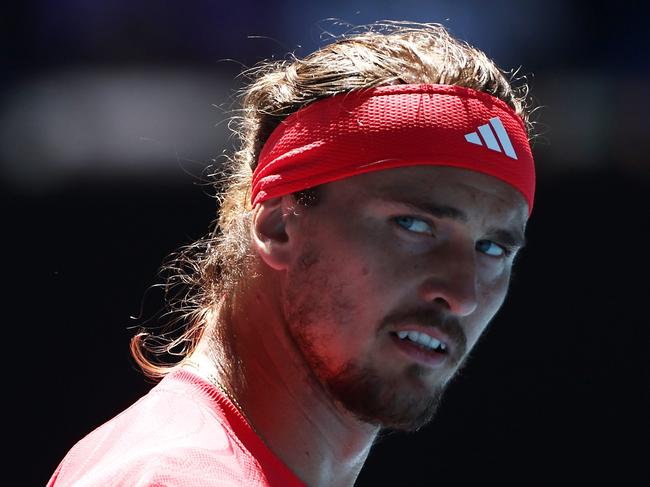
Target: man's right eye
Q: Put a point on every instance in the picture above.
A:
(413, 224)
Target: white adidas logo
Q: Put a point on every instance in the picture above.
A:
(490, 141)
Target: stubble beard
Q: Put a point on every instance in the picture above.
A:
(403, 402)
(370, 399)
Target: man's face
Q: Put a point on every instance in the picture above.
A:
(387, 261)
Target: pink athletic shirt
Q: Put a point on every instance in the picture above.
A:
(184, 432)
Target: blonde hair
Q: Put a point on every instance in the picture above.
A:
(385, 53)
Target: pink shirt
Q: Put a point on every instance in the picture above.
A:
(184, 432)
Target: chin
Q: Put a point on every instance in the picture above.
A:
(376, 401)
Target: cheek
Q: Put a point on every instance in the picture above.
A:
(363, 255)
(492, 295)
(348, 274)
(370, 277)
(493, 280)
(328, 302)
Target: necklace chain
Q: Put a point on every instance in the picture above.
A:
(215, 382)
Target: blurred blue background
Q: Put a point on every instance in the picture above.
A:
(110, 112)
(106, 89)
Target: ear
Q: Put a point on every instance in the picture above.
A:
(269, 233)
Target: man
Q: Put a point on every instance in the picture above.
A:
(366, 236)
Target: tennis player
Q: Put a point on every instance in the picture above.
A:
(367, 229)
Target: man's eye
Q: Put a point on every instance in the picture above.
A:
(413, 224)
(490, 248)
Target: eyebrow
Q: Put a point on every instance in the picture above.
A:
(507, 237)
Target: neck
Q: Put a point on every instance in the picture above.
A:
(282, 400)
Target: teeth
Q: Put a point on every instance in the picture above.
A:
(422, 339)
(414, 336)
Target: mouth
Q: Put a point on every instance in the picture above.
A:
(422, 347)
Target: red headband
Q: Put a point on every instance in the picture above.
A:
(395, 126)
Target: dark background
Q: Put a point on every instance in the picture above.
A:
(110, 112)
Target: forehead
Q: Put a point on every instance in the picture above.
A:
(473, 193)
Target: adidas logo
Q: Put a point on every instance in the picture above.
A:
(487, 134)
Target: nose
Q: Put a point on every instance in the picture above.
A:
(452, 279)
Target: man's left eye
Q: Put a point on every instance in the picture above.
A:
(413, 224)
(490, 248)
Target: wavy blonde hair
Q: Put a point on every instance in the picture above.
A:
(385, 53)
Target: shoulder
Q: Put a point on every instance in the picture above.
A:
(169, 437)
(182, 466)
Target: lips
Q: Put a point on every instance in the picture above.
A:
(440, 337)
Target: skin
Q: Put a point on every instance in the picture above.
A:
(319, 368)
